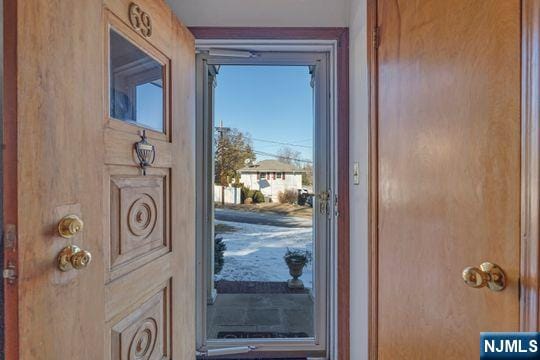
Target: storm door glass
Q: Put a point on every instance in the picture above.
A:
(136, 84)
(262, 281)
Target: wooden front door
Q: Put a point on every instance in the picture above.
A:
(448, 173)
(91, 75)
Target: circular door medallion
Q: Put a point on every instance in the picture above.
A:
(143, 343)
(142, 216)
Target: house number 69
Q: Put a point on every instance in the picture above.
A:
(140, 20)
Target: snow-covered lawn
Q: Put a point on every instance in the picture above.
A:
(255, 252)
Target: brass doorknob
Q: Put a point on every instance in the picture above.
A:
(73, 257)
(487, 274)
(69, 226)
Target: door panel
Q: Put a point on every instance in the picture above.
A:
(139, 216)
(60, 162)
(449, 165)
(76, 159)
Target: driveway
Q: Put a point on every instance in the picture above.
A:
(260, 218)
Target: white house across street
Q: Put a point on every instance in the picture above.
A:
(271, 177)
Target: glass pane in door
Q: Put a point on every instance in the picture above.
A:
(136, 84)
(262, 282)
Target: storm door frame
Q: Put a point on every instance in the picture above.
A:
(320, 57)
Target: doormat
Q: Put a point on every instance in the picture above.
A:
(259, 335)
(256, 287)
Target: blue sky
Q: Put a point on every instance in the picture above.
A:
(271, 103)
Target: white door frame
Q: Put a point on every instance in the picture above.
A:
(275, 52)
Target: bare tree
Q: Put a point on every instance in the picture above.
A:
(307, 177)
(290, 156)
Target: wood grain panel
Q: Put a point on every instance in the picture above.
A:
(60, 157)
(373, 178)
(530, 166)
(183, 199)
(9, 176)
(160, 14)
(65, 157)
(116, 224)
(145, 332)
(160, 54)
(143, 256)
(449, 173)
(139, 218)
(129, 289)
(120, 149)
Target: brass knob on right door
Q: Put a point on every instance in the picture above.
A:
(486, 275)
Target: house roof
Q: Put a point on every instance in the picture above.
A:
(270, 166)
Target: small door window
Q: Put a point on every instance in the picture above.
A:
(136, 85)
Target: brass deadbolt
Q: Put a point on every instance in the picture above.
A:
(73, 257)
(69, 226)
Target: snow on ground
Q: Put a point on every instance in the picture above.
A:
(255, 252)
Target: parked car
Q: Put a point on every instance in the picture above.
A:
(305, 198)
(309, 200)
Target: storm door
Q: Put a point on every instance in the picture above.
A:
(265, 204)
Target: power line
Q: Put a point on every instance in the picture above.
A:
(303, 140)
(282, 157)
(282, 143)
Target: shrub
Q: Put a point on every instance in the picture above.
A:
(258, 197)
(288, 197)
(219, 254)
(248, 201)
(245, 193)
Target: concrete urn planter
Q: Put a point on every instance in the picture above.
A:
(296, 269)
(296, 260)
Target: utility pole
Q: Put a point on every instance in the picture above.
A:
(221, 130)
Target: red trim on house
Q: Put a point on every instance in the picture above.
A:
(342, 37)
(9, 173)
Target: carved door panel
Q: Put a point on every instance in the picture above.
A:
(148, 213)
(90, 77)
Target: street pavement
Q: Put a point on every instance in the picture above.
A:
(260, 218)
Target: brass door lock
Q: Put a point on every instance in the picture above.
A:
(70, 226)
(488, 274)
(73, 257)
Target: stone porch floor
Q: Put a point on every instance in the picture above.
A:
(260, 316)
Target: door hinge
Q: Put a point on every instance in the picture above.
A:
(376, 37)
(10, 245)
(336, 205)
(204, 352)
(10, 237)
(10, 273)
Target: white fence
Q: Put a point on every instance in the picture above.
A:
(232, 195)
